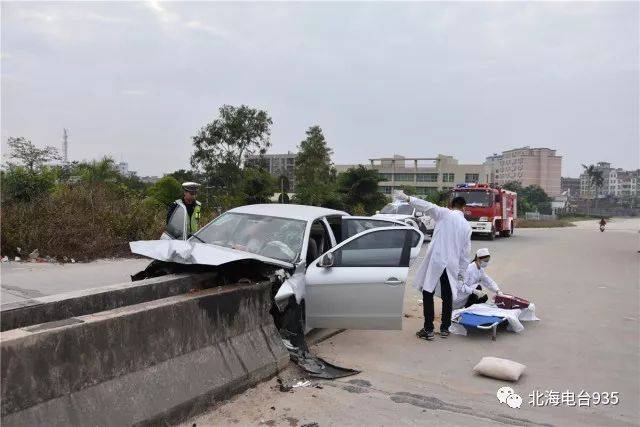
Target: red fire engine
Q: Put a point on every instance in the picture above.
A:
(490, 211)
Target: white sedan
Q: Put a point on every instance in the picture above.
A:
(353, 269)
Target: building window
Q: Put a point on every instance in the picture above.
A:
(385, 189)
(427, 177)
(386, 176)
(449, 177)
(471, 177)
(426, 191)
(404, 177)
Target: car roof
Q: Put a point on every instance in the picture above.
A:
(302, 212)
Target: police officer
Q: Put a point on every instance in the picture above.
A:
(191, 206)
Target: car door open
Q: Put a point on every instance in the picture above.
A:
(359, 284)
(177, 226)
(352, 225)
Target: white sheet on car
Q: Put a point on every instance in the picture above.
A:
(190, 252)
(515, 317)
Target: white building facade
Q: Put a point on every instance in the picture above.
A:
(616, 182)
(527, 166)
(427, 175)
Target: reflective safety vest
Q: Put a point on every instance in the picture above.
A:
(191, 223)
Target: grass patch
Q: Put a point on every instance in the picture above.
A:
(552, 223)
(83, 223)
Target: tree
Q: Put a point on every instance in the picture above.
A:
(21, 184)
(30, 156)
(409, 190)
(440, 198)
(257, 185)
(283, 186)
(315, 175)
(222, 146)
(514, 186)
(531, 198)
(358, 187)
(97, 171)
(165, 191)
(182, 175)
(596, 180)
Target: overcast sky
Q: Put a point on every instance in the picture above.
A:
(136, 80)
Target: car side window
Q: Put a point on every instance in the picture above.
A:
(335, 222)
(175, 227)
(384, 248)
(357, 226)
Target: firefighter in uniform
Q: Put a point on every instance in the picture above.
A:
(191, 206)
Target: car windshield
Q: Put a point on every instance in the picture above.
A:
(474, 198)
(397, 209)
(269, 236)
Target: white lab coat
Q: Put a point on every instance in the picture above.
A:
(449, 248)
(475, 276)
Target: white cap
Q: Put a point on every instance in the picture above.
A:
(190, 186)
(482, 252)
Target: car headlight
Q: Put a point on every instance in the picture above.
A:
(483, 219)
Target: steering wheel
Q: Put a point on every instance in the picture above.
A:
(279, 246)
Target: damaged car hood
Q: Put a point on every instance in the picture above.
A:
(189, 252)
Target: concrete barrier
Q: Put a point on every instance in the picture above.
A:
(77, 303)
(156, 362)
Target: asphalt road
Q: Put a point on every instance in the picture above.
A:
(23, 280)
(585, 287)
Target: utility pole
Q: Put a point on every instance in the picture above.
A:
(65, 147)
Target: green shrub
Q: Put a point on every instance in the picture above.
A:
(22, 184)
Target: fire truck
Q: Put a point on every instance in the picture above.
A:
(489, 210)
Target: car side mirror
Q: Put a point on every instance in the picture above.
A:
(418, 214)
(327, 260)
(377, 212)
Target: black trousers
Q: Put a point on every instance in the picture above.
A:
(427, 304)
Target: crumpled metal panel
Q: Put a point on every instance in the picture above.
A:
(190, 252)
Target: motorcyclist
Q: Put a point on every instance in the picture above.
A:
(603, 222)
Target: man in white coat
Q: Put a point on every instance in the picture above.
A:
(474, 281)
(446, 261)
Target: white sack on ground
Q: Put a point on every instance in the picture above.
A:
(502, 369)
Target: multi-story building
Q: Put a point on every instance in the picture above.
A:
(426, 175)
(616, 182)
(278, 165)
(570, 187)
(527, 166)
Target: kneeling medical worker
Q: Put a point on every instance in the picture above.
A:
(475, 279)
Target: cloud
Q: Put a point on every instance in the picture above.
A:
(197, 25)
(161, 12)
(173, 20)
(133, 92)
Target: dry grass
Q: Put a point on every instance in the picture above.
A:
(554, 223)
(79, 223)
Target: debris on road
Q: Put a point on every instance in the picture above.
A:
(319, 368)
(502, 369)
(301, 384)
